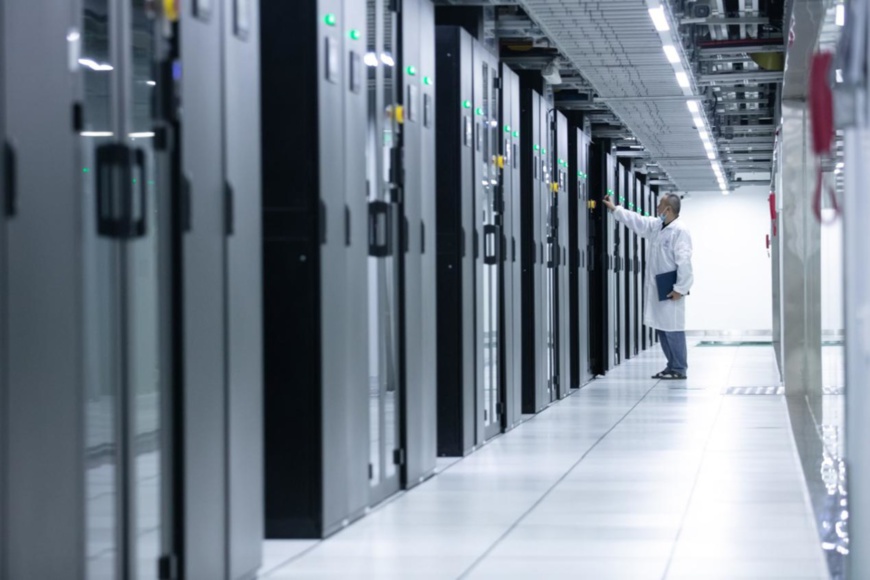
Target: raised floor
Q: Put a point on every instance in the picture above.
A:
(629, 478)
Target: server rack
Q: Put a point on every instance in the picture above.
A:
(317, 403)
(652, 204)
(601, 276)
(549, 239)
(512, 275)
(631, 288)
(487, 241)
(119, 281)
(456, 295)
(580, 256)
(535, 396)
(637, 266)
(42, 275)
(646, 341)
(418, 310)
(614, 290)
(562, 298)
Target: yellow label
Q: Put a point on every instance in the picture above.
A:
(500, 161)
(592, 204)
(170, 10)
(555, 187)
(400, 114)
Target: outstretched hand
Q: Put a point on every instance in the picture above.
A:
(609, 203)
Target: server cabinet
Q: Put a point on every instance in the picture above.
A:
(43, 514)
(533, 178)
(613, 272)
(637, 288)
(317, 404)
(455, 185)
(562, 298)
(580, 256)
(511, 260)
(220, 351)
(652, 204)
(382, 258)
(549, 239)
(487, 241)
(630, 290)
(417, 131)
(244, 300)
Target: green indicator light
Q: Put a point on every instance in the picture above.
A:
(427, 81)
(134, 182)
(544, 151)
(479, 111)
(609, 192)
(354, 34)
(411, 70)
(150, 183)
(622, 199)
(507, 128)
(330, 20)
(537, 147)
(85, 169)
(466, 104)
(516, 133)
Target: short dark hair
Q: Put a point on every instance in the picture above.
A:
(673, 201)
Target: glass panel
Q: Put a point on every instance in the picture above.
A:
(377, 377)
(101, 307)
(389, 281)
(143, 307)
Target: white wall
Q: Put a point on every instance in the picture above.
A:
(733, 289)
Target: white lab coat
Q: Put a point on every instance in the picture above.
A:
(668, 249)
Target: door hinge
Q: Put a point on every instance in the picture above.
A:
(10, 181)
(399, 457)
(229, 209)
(322, 212)
(167, 567)
(347, 224)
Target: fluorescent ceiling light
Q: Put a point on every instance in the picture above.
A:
(725, 191)
(151, 83)
(683, 80)
(693, 107)
(96, 134)
(660, 21)
(671, 53)
(94, 65)
(698, 120)
(144, 135)
(841, 14)
(711, 155)
(705, 137)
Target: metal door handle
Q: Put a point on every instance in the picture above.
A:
(116, 192)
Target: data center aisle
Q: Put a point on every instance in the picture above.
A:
(628, 478)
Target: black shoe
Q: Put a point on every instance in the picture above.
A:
(661, 375)
(673, 376)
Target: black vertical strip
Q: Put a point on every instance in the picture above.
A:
(10, 180)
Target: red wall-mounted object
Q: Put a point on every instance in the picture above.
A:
(772, 200)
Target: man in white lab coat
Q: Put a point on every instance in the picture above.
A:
(670, 249)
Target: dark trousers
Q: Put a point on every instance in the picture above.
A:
(676, 351)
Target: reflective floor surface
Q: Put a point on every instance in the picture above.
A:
(629, 478)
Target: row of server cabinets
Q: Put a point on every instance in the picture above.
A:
(255, 282)
(130, 254)
(618, 274)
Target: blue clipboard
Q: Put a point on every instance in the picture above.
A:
(665, 284)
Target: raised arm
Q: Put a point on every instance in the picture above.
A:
(645, 227)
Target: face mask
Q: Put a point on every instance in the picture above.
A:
(663, 217)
